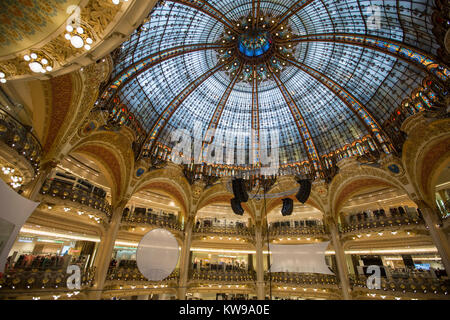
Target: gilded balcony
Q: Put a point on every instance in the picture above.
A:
(301, 279)
(382, 223)
(130, 275)
(26, 281)
(317, 231)
(68, 194)
(226, 230)
(410, 286)
(206, 276)
(20, 138)
(154, 220)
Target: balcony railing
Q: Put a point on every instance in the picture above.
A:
(67, 192)
(35, 279)
(382, 222)
(223, 276)
(301, 278)
(224, 230)
(154, 220)
(132, 274)
(19, 137)
(297, 231)
(411, 284)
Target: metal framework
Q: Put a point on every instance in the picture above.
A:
(339, 77)
(178, 100)
(387, 46)
(205, 7)
(302, 127)
(350, 101)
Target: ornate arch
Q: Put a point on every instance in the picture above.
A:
(274, 203)
(67, 101)
(169, 180)
(426, 151)
(111, 150)
(354, 177)
(218, 193)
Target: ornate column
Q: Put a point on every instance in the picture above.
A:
(439, 237)
(32, 189)
(259, 245)
(340, 258)
(185, 255)
(105, 249)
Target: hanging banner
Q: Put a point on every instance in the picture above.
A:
(14, 211)
(303, 258)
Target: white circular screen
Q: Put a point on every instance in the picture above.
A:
(157, 254)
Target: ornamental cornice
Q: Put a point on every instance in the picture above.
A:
(107, 24)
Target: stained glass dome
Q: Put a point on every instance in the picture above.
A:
(321, 76)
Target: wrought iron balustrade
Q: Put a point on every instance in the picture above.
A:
(223, 275)
(154, 220)
(224, 230)
(35, 279)
(297, 231)
(411, 283)
(67, 192)
(301, 278)
(382, 222)
(19, 137)
(133, 274)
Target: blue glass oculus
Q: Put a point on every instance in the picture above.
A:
(254, 44)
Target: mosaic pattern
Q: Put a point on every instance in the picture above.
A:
(26, 22)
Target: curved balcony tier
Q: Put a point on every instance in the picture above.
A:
(18, 137)
(303, 231)
(301, 279)
(412, 286)
(28, 281)
(55, 191)
(231, 276)
(131, 275)
(384, 223)
(153, 220)
(224, 231)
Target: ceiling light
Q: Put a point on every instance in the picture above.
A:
(35, 67)
(77, 41)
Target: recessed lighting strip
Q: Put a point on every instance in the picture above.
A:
(59, 235)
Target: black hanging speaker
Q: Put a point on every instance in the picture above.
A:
(304, 191)
(288, 206)
(239, 190)
(236, 206)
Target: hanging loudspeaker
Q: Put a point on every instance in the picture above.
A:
(239, 190)
(304, 191)
(236, 206)
(288, 206)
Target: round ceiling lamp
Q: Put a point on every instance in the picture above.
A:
(38, 63)
(78, 37)
(2, 77)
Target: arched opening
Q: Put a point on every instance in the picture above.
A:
(442, 190)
